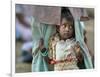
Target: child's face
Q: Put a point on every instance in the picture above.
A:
(66, 29)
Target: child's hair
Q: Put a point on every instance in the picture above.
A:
(65, 13)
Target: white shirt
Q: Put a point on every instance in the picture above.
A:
(64, 48)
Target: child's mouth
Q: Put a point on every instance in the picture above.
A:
(66, 33)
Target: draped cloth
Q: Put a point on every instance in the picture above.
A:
(40, 30)
(79, 35)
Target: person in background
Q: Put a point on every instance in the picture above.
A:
(23, 33)
(23, 27)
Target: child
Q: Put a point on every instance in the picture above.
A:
(65, 52)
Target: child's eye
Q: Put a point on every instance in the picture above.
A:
(67, 25)
(64, 25)
(70, 26)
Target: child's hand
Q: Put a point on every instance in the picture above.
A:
(52, 62)
(69, 57)
(77, 48)
(78, 52)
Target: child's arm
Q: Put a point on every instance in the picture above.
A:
(78, 52)
(80, 57)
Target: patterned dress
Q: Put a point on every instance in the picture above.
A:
(60, 50)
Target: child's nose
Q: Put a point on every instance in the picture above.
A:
(66, 28)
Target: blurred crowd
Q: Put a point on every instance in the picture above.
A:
(23, 33)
